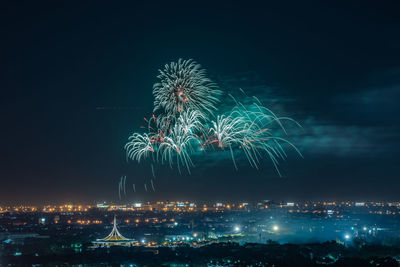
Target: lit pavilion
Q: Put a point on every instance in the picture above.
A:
(114, 239)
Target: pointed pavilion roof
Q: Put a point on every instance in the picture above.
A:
(114, 235)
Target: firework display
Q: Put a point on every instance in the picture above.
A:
(186, 123)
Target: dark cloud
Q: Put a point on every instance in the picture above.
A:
(349, 129)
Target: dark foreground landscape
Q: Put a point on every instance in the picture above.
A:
(221, 254)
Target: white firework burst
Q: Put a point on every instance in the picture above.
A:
(250, 129)
(177, 147)
(191, 121)
(139, 146)
(226, 131)
(184, 85)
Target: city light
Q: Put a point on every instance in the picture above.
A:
(236, 228)
(331, 209)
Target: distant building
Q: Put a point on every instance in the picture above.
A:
(114, 239)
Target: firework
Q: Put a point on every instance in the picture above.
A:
(191, 121)
(170, 139)
(184, 85)
(251, 130)
(178, 146)
(226, 131)
(139, 146)
(186, 124)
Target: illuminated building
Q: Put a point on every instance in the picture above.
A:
(114, 239)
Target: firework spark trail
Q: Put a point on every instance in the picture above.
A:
(145, 187)
(119, 188)
(152, 185)
(124, 185)
(134, 188)
(152, 170)
(119, 191)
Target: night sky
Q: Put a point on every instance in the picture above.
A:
(76, 81)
